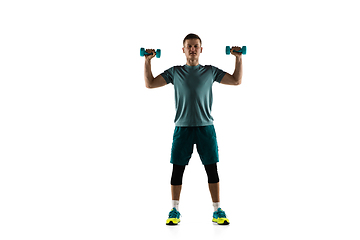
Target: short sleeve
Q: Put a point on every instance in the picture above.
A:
(168, 75)
(217, 73)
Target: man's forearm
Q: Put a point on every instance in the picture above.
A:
(238, 70)
(148, 76)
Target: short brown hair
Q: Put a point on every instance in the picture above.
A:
(192, 36)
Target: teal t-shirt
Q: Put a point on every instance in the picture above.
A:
(193, 93)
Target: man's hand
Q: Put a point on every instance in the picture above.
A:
(234, 79)
(236, 54)
(149, 57)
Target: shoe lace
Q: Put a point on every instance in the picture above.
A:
(174, 214)
(221, 214)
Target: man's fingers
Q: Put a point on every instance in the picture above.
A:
(236, 48)
(150, 56)
(150, 51)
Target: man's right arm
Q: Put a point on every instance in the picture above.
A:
(150, 81)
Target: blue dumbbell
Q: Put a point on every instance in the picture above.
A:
(228, 50)
(143, 52)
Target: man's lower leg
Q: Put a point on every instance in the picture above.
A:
(175, 194)
(176, 184)
(214, 186)
(215, 191)
(215, 195)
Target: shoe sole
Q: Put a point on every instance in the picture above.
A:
(224, 223)
(171, 223)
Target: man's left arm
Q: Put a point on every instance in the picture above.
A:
(234, 79)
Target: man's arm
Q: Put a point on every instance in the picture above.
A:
(234, 79)
(150, 81)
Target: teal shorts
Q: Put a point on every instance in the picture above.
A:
(183, 144)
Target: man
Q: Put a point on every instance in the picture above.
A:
(193, 121)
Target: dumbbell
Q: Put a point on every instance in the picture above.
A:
(228, 49)
(143, 52)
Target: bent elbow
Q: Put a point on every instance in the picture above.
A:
(148, 84)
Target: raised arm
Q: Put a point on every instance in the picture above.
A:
(150, 81)
(234, 79)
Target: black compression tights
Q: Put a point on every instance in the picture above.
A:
(178, 172)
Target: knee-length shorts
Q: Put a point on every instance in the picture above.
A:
(183, 144)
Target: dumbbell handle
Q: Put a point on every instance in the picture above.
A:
(146, 53)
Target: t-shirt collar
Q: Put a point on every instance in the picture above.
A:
(192, 67)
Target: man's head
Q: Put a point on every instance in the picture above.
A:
(191, 36)
(192, 49)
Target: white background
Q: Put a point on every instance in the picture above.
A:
(85, 147)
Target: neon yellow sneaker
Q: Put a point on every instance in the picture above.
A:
(219, 217)
(174, 217)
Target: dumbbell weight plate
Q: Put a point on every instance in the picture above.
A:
(227, 50)
(142, 52)
(243, 50)
(158, 53)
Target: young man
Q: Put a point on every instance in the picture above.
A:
(193, 121)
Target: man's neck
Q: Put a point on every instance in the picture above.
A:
(192, 63)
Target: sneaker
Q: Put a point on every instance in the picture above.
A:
(174, 217)
(219, 217)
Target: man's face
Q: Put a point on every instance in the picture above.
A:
(192, 49)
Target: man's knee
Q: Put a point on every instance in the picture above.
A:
(177, 174)
(212, 173)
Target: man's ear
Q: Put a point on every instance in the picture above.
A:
(201, 50)
(183, 50)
